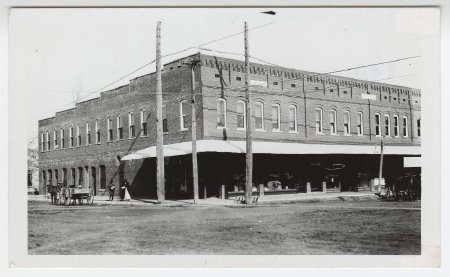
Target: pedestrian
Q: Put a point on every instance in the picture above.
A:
(123, 189)
(112, 188)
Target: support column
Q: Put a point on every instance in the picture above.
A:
(236, 189)
(324, 187)
(204, 192)
(261, 190)
(308, 187)
(222, 192)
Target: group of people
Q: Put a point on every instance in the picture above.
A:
(124, 194)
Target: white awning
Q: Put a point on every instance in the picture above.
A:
(265, 147)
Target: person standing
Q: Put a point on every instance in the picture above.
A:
(123, 189)
(112, 188)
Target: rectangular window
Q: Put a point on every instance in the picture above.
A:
(42, 142)
(102, 177)
(132, 128)
(318, 119)
(164, 120)
(143, 123)
(360, 124)
(292, 118)
(221, 113)
(275, 118)
(183, 115)
(377, 125)
(97, 132)
(333, 122)
(63, 144)
(346, 123)
(418, 127)
(240, 111)
(71, 143)
(55, 139)
(119, 128)
(78, 136)
(110, 130)
(405, 126)
(259, 116)
(88, 134)
(387, 126)
(48, 141)
(396, 126)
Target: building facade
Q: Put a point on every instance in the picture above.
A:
(314, 132)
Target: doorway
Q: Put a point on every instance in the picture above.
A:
(94, 179)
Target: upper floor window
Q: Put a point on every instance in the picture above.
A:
(132, 128)
(418, 127)
(240, 113)
(387, 125)
(78, 136)
(88, 133)
(333, 130)
(318, 120)
(55, 139)
(63, 144)
(275, 118)
(396, 126)
(259, 116)
(405, 126)
(143, 123)
(97, 132)
(48, 140)
(377, 125)
(292, 110)
(183, 115)
(164, 120)
(360, 123)
(71, 142)
(42, 141)
(347, 123)
(221, 113)
(119, 127)
(110, 130)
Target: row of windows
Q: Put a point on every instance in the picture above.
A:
(85, 176)
(222, 123)
(75, 137)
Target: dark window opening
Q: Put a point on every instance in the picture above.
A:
(238, 78)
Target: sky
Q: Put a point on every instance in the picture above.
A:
(56, 54)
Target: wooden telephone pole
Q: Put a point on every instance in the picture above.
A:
(159, 125)
(193, 64)
(381, 168)
(248, 115)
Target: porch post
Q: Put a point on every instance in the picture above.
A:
(222, 191)
(324, 187)
(204, 192)
(308, 187)
(261, 190)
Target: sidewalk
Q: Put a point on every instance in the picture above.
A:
(214, 201)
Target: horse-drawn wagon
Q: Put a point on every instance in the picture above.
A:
(62, 194)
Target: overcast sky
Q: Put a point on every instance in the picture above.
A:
(56, 52)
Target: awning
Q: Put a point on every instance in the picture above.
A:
(266, 147)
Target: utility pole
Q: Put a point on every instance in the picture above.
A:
(193, 64)
(381, 168)
(159, 126)
(249, 149)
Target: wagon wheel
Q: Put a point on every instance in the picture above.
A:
(90, 199)
(56, 200)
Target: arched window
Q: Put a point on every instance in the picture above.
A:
(221, 113)
(405, 126)
(360, 124)
(377, 125)
(80, 176)
(396, 126)
(318, 119)
(387, 125)
(292, 110)
(56, 176)
(347, 124)
(333, 129)
(275, 118)
(240, 113)
(64, 176)
(74, 177)
(102, 177)
(183, 115)
(259, 116)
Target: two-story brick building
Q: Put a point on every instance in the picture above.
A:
(308, 129)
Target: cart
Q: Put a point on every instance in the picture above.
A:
(81, 195)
